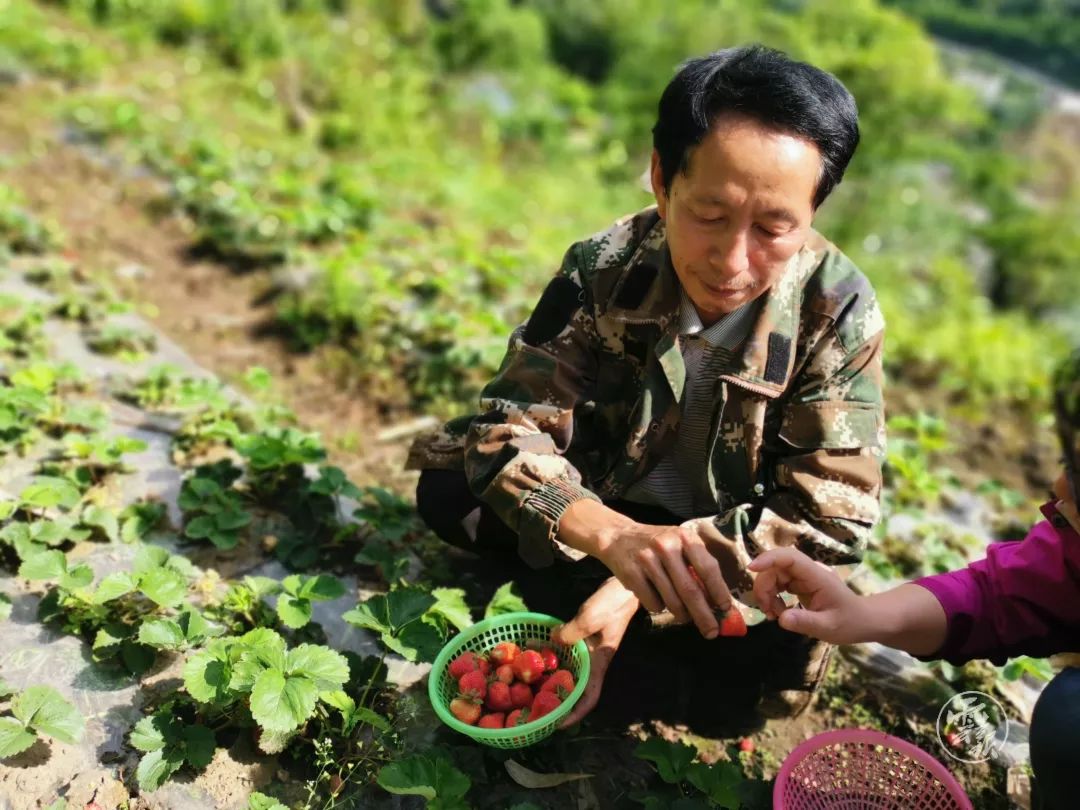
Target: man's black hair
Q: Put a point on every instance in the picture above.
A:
(768, 87)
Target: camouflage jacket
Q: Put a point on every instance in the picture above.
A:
(586, 401)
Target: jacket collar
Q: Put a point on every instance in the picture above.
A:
(648, 292)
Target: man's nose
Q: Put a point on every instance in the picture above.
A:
(729, 254)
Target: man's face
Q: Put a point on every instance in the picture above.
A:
(739, 212)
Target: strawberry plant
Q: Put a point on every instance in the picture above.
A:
(116, 340)
(294, 605)
(402, 620)
(37, 710)
(213, 512)
(693, 784)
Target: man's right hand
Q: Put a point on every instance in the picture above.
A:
(654, 562)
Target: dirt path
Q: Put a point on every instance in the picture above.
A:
(219, 316)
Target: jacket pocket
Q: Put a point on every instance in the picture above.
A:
(831, 425)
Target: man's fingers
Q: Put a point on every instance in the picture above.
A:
(708, 571)
(692, 596)
(658, 578)
(600, 659)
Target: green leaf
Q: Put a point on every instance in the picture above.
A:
(416, 642)
(259, 801)
(102, 518)
(113, 586)
(136, 657)
(504, 601)
(282, 704)
(366, 715)
(262, 586)
(78, 577)
(149, 557)
(45, 492)
(110, 635)
(44, 565)
(157, 766)
(429, 776)
(14, 739)
(164, 586)
(720, 782)
(196, 628)
(265, 646)
(671, 759)
(199, 528)
(232, 519)
(154, 733)
(199, 745)
(206, 677)
(387, 613)
(5, 607)
(377, 552)
(163, 634)
(293, 612)
(274, 742)
(450, 604)
(327, 668)
(321, 588)
(336, 698)
(44, 709)
(224, 540)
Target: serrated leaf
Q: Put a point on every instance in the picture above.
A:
(337, 699)
(322, 588)
(196, 628)
(154, 732)
(293, 612)
(265, 646)
(102, 518)
(110, 635)
(136, 657)
(112, 587)
(163, 586)
(149, 557)
(200, 528)
(156, 767)
(387, 613)
(450, 604)
(259, 801)
(262, 586)
(504, 601)
(199, 745)
(45, 710)
(78, 577)
(671, 759)
(279, 703)
(720, 782)
(163, 634)
(418, 642)
(327, 668)
(46, 492)
(429, 776)
(44, 565)
(274, 742)
(206, 677)
(232, 519)
(365, 715)
(14, 739)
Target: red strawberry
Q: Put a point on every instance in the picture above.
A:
(518, 717)
(521, 695)
(498, 697)
(528, 666)
(505, 673)
(746, 744)
(561, 682)
(551, 660)
(733, 623)
(504, 652)
(473, 685)
(495, 720)
(544, 703)
(953, 740)
(466, 662)
(465, 710)
(484, 666)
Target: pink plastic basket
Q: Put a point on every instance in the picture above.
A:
(862, 769)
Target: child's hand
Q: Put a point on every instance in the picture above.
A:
(832, 612)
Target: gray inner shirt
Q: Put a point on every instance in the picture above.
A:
(679, 482)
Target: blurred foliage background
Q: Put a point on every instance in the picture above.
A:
(412, 171)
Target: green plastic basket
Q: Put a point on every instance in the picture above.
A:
(481, 637)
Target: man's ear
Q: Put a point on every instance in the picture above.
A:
(656, 173)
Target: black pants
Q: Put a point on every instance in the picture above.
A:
(1055, 744)
(674, 674)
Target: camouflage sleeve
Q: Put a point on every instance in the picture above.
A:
(825, 487)
(514, 449)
